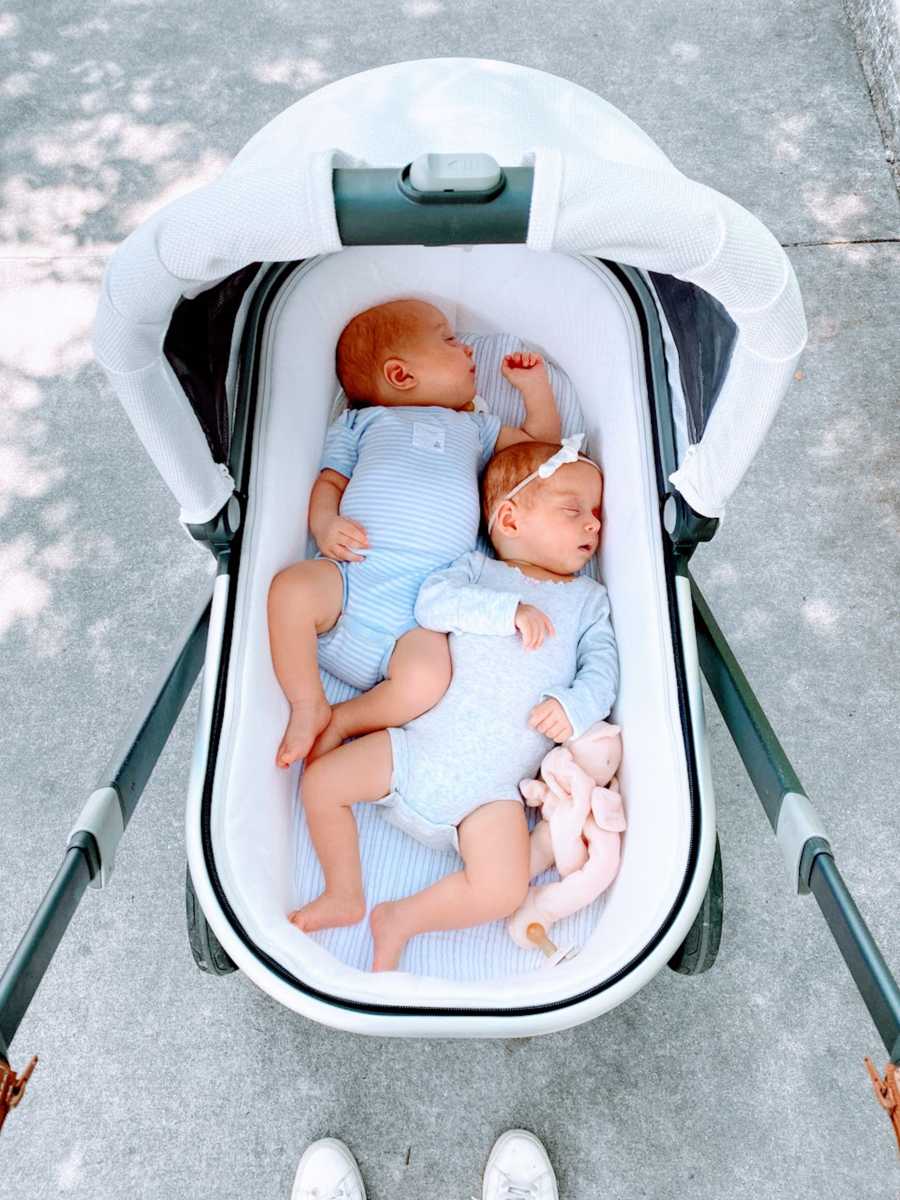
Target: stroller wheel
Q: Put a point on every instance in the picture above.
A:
(698, 951)
(208, 953)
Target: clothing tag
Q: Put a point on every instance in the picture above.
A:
(428, 437)
(480, 406)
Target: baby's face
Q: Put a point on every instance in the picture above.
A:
(434, 368)
(560, 527)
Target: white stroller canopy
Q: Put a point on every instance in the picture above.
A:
(601, 188)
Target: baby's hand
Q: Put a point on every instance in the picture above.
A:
(524, 369)
(533, 625)
(340, 537)
(549, 718)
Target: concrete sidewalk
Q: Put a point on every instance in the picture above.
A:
(158, 1082)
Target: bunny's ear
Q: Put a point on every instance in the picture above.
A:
(607, 809)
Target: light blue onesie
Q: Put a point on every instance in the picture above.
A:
(475, 745)
(413, 486)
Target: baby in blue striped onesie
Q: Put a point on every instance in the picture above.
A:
(534, 663)
(396, 499)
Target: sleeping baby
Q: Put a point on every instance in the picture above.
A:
(534, 663)
(396, 498)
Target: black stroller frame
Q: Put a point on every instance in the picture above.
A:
(374, 206)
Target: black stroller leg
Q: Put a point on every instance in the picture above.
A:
(91, 847)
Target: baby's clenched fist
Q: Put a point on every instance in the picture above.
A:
(549, 718)
(533, 625)
(524, 369)
(341, 538)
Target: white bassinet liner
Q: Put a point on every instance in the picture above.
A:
(576, 313)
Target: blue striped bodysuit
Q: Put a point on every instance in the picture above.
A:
(413, 475)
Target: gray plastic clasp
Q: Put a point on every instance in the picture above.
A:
(102, 818)
(454, 173)
(798, 822)
(686, 527)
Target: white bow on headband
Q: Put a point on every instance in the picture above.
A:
(567, 453)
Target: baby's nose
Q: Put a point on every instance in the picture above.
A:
(593, 524)
(469, 350)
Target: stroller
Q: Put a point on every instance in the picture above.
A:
(524, 206)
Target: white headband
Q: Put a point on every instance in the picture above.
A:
(567, 453)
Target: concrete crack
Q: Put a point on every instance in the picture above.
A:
(891, 241)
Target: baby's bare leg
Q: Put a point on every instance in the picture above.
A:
(418, 675)
(541, 849)
(304, 600)
(493, 842)
(360, 771)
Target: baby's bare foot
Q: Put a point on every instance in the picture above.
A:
(330, 738)
(388, 937)
(329, 911)
(307, 720)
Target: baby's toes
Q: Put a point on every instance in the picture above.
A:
(283, 757)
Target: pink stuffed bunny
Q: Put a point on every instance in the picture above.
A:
(582, 821)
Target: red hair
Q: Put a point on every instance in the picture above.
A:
(367, 341)
(509, 467)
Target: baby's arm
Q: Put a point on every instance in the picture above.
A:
(591, 695)
(336, 536)
(527, 372)
(452, 601)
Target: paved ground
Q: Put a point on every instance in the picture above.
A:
(158, 1082)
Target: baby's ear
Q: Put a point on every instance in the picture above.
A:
(507, 519)
(398, 374)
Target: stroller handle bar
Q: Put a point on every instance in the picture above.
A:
(800, 833)
(92, 843)
(436, 200)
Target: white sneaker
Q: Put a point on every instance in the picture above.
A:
(328, 1171)
(518, 1169)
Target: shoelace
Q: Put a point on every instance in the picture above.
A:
(516, 1191)
(343, 1193)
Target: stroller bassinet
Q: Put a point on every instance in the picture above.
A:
(581, 314)
(675, 315)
